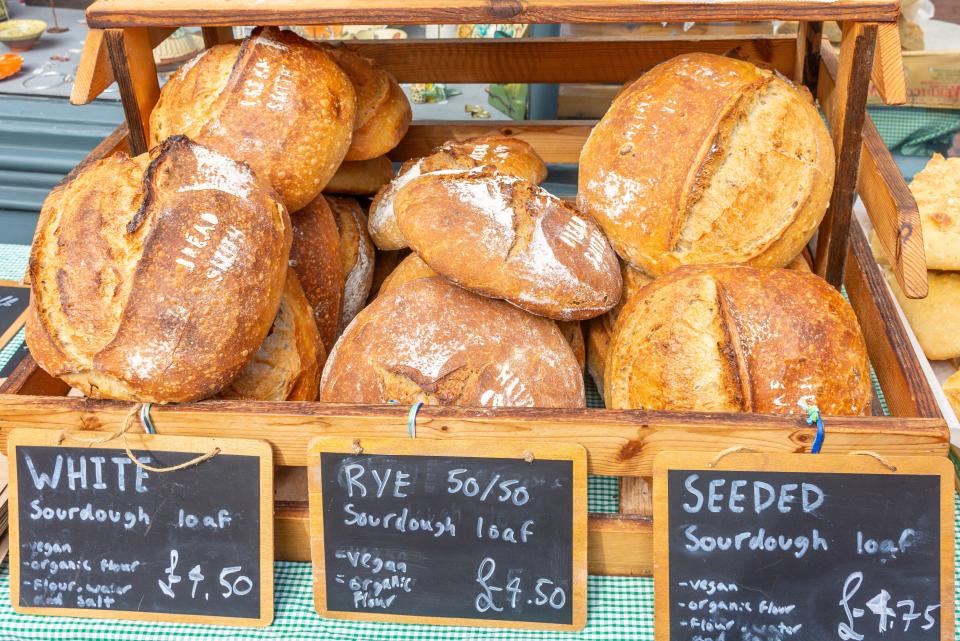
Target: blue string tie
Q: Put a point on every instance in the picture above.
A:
(813, 416)
(412, 419)
(146, 420)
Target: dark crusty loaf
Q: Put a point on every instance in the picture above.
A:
(707, 160)
(287, 366)
(156, 278)
(430, 341)
(732, 338)
(315, 257)
(505, 237)
(356, 255)
(276, 101)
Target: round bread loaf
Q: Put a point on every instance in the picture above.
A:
(276, 101)
(430, 341)
(287, 365)
(361, 178)
(370, 84)
(633, 281)
(505, 237)
(385, 128)
(732, 338)
(509, 155)
(315, 257)
(707, 160)
(356, 255)
(156, 278)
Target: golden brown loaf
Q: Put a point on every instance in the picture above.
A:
(732, 338)
(505, 237)
(633, 281)
(383, 265)
(315, 257)
(356, 255)
(370, 84)
(361, 177)
(431, 341)
(509, 155)
(156, 278)
(935, 320)
(937, 191)
(573, 334)
(598, 345)
(277, 102)
(707, 159)
(385, 128)
(410, 268)
(951, 389)
(287, 365)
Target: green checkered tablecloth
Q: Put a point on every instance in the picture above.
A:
(916, 131)
(618, 607)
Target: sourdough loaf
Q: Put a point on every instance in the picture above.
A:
(287, 365)
(430, 341)
(383, 111)
(156, 278)
(598, 345)
(315, 257)
(707, 160)
(573, 334)
(360, 177)
(937, 191)
(505, 237)
(734, 338)
(356, 255)
(276, 101)
(410, 268)
(509, 155)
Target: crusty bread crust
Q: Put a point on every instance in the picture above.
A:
(410, 268)
(707, 160)
(598, 345)
(361, 177)
(734, 338)
(505, 237)
(385, 128)
(356, 255)
(937, 190)
(315, 257)
(430, 341)
(287, 366)
(132, 262)
(370, 84)
(277, 102)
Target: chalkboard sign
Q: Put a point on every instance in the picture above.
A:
(774, 547)
(14, 298)
(94, 535)
(18, 355)
(449, 532)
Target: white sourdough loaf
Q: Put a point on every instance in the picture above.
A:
(430, 341)
(708, 160)
(156, 278)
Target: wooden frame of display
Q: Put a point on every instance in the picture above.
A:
(621, 443)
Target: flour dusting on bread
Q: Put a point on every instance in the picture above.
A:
(216, 171)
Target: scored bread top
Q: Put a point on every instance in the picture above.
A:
(706, 160)
(276, 101)
(505, 237)
(430, 341)
(370, 84)
(315, 257)
(509, 155)
(734, 338)
(385, 128)
(937, 190)
(287, 366)
(132, 263)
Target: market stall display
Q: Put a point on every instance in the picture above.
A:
(435, 339)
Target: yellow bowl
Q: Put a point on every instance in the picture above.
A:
(21, 35)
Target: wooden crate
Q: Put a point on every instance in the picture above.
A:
(620, 443)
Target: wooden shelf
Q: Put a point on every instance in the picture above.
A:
(175, 13)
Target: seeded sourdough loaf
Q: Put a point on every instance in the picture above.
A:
(315, 257)
(707, 160)
(356, 255)
(510, 156)
(287, 365)
(505, 237)
(428, 340)
(732, 338)
(276, 101)
(156, 278)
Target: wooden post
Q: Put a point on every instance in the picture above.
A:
(887, 72)
(216, 35)
(131, 56)
(806, 67)
(845, 114)
(636, 495)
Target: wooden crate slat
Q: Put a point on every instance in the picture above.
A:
(557, 141)
(567, 60)
(170, 13)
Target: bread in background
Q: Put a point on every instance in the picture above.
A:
(706, 159)
(951, 388)
(937, 192)
(356, 255)
(156, 278)
(315, 257)
(275, 101)
(410, 268)
(360, 177)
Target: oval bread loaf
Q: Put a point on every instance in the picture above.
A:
(385, 128)
(361, 177)
(276, 101)
(505, 237)
(156, 278)
(356, 255)
(315, 257)
(732, 338)
(509, 155)
(707, 160)
(430, 341)
(287, 366)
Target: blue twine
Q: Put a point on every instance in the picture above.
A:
(813, 416)
(145, 419)
(412, 419)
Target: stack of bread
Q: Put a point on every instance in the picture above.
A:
(935, 320)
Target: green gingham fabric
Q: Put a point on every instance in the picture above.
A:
(617, 607)
(916, 131)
